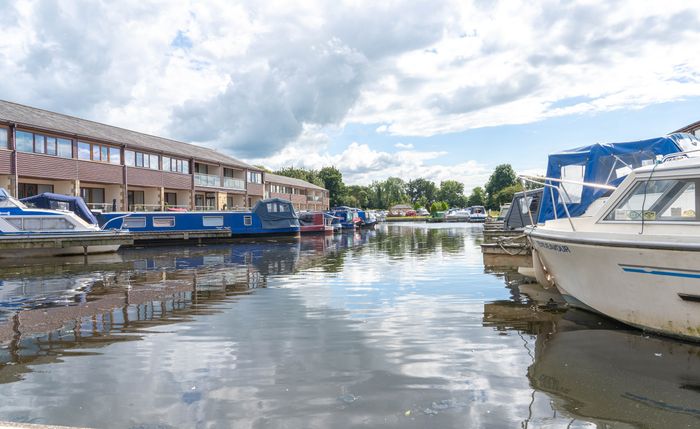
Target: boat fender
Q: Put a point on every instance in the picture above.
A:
(541, 274)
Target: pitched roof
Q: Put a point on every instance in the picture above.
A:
(57, 122)
(291, 181)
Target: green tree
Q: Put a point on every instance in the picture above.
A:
(310, 176)
(394, 191)
(357, 196)
(332, 180)
(502, 177)
(452, 192)
(421, 188)
(438, 206)
(477, 197)
(505, 195)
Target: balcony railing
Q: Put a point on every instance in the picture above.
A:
(313, 198)
(145, 207)
(231, 183)
(207, 180)
(104, 207)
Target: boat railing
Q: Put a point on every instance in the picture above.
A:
(145, 207)
(104, 207)
(542, 181)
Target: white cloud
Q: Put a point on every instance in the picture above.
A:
(361, 164)
(404, 145)
(249, 77)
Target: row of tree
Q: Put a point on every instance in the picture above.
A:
(499, 189)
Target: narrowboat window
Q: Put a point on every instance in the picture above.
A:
(134, 222)
(247, 220)
(115, 156)
(163, 222)
(130, 158)
(65, 148)
(661, 200)
(3, 138)
(83, 150)
(24, 141)
(213, 221)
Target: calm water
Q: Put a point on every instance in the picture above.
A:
(400, 327)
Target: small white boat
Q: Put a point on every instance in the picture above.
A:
(28, 231)
(636, 256)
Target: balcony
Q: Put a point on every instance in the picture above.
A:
(207, 180)
(314, 198)
(231, 183)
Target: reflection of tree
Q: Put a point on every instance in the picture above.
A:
(401, 241)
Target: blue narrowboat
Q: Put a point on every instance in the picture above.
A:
(269, 217)
(345, 216)
(367, 219)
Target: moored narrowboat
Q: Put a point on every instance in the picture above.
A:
(271, 217)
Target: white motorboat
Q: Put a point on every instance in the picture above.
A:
(634, 257)
(42, 229)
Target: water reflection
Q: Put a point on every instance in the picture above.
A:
(398, 327)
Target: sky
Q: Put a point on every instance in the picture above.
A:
(435, 89)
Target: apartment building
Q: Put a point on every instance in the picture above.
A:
(304, 195)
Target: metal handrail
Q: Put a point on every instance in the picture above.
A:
(532, 179)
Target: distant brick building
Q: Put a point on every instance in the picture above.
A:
(115, 168)
(304, 195)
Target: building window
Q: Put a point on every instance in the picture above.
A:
(130, 158)
(30, 189)
(84, 151)
(65, 148)
(115, 156)
(93, 195)
(24, 141)
(254, 177)
(136, 199)
(170, 199)
(3, 138)
(153, 164)
(201, 168)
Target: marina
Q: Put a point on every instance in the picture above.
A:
(290, 333)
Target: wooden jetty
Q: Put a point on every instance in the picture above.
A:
(505, 248)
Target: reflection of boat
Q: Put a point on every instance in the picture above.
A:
(315, 222)
(636, 258)
(269, 217)
(20, 223)
(613, 375)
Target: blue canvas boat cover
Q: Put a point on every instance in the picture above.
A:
(276, 213)
(52, 201)
(606, 164)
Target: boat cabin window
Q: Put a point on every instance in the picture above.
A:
(134, 222)
(51, 223)
(213, 221)
(163, 222)
(247, 220)
(659, 200)
(570, 192)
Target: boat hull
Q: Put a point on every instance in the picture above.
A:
(67, 251)
(656, 289)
